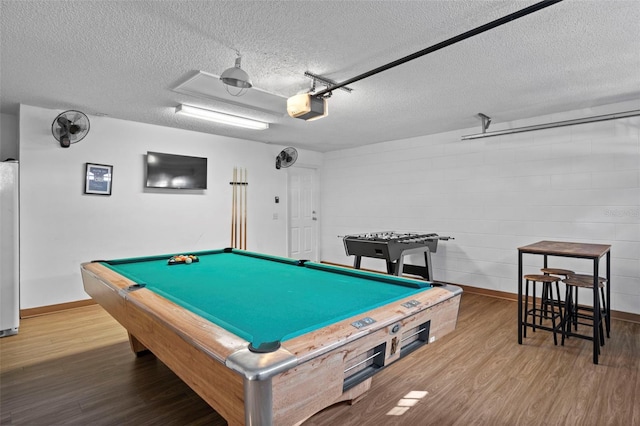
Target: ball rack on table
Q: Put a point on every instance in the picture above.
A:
(392, 247)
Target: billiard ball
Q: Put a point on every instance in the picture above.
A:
(188, 260)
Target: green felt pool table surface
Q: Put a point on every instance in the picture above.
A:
(265, 298)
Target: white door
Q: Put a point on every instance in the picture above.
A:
(303, 217)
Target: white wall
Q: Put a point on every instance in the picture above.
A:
(578, 183)
(8, 137)
(61, 227)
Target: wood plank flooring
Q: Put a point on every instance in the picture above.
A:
(75, 367)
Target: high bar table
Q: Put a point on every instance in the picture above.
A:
(593, 252)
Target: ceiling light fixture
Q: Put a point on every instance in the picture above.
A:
(236, 77)
(219, 117)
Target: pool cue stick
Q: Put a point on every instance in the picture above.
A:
(235, 242)
(231, 244)
(246, 187)
(233, 209)
(240, 210)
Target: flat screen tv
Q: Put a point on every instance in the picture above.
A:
(176, 171)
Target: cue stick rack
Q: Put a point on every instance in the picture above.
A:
(239, 208)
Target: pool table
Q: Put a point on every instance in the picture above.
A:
(269, 340)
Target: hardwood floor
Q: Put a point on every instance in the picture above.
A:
(75, 367)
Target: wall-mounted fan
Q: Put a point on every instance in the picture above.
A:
(70, 127)
(286, 158)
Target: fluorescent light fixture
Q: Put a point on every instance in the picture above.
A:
(219, 117)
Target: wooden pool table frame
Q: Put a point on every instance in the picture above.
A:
(285, 387)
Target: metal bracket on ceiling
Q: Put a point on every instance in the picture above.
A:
(486, 121)
(326, 82)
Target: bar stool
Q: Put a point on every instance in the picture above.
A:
(587, 280)
(573, 312)
(546, 287)
(542, 312)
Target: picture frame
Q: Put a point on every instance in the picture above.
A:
(98, 179)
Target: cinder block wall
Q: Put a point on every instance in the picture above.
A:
(577, 183)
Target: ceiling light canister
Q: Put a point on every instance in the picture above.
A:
(236, 77)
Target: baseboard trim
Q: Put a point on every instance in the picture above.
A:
(50, 309)
(619, 315)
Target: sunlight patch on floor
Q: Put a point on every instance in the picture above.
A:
(406, 402)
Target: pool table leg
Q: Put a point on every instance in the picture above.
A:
(138, 348)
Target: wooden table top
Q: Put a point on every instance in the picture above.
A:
(562, 248)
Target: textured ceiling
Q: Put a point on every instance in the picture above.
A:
(125, 58)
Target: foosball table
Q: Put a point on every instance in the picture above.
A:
(393, 247)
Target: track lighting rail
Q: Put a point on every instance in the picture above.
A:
(593, 119)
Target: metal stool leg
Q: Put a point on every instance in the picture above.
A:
(604, 310)
(568, 313)
(544, 304)
(553, 315)
(526, 307)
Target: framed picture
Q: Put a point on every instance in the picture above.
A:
(98, 179)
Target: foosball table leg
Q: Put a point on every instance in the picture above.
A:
(427, 265)
(391, 268)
